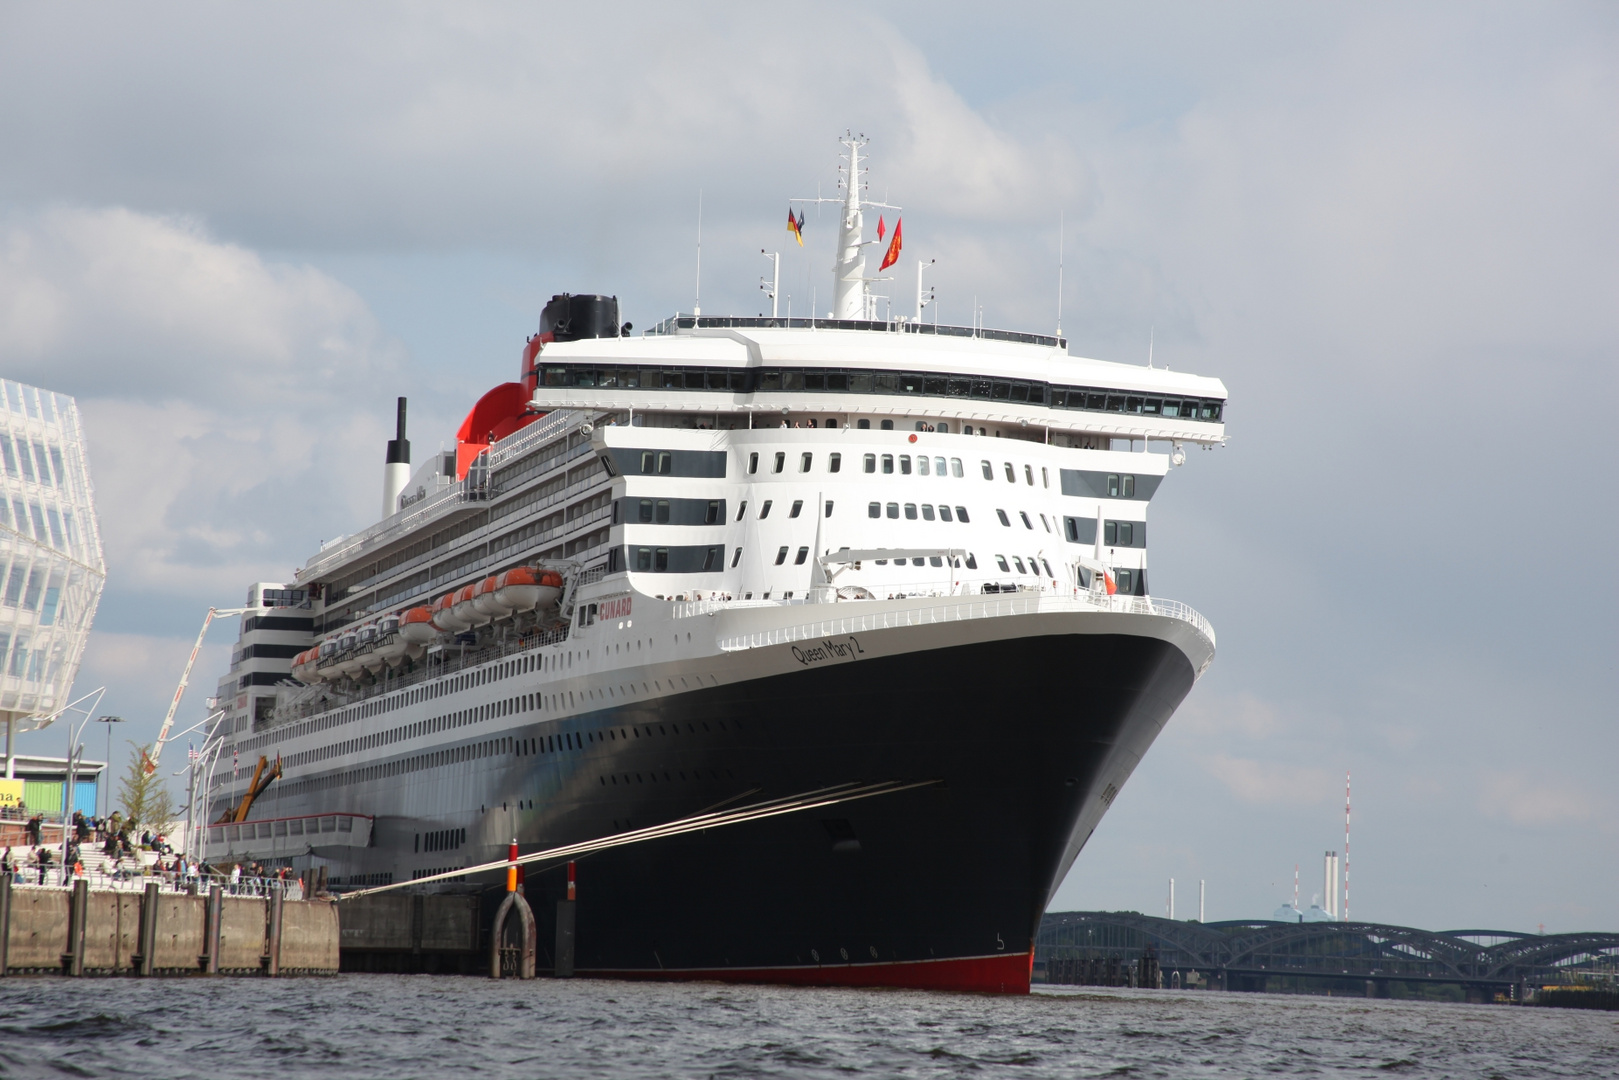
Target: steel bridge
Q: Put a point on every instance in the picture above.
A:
(1075, 946)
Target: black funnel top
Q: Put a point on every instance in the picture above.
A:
(399, 446)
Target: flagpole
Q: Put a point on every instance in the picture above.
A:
(697, 304)
(1060, 223)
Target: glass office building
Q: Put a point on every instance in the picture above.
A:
(51, 566)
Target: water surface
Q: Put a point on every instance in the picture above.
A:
(401, 1027)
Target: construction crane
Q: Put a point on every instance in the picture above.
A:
(151, 760)
(255, 787)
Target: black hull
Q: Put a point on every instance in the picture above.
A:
(1024, 736)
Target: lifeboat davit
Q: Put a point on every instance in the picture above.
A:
(417, 626)
(444, 616)
(525, 588)
(464, 609)
(486, 603)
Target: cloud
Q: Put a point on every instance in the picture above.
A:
(1527, 800)
(225, 396)
(1243, 713)
(1272, 782)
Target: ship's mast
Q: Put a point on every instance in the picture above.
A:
(849, 273)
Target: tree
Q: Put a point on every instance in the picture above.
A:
(144, 796)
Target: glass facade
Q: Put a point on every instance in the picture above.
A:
(51, 566)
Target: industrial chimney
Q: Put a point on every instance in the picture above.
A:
(396, 470)
(1329, 884)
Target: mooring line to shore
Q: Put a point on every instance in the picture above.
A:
(791, 804)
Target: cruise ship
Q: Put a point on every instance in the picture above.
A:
(726, 560)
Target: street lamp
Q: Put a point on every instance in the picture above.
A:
(106, 772)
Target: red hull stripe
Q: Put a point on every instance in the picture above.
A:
(1001, 973)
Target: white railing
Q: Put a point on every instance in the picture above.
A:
(960, 611)
(544, 430)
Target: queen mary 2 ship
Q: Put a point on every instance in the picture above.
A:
(724, 561)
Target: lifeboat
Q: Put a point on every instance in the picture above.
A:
(485, 601)
(464, 610)
(445, 618)
(417, 626)
(348, 656)
(526, 588)
(390, 648)
(305, 666)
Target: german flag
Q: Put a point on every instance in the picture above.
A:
(796, 226)
(893, 247)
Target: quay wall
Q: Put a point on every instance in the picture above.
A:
(83, 932)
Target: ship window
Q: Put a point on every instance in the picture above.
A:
(781, 461)
(753, 463)
(1045, 477)
(961, 515)
(910, 511)
(935, 560)
(989, 473)
(1011, 475)
(1045, 522)
(955, 468)
(882, 562)
(764, 510)
(874, 510)
(665, 463)
(798, 506)
(1127, 487)
(781, 556)
(643, 558)
(829, 508)
(888, 425)
(1000, 560)
(893, 510)
(646, 511)
(972, 561)
(803, 553)
(1027, 524)
(1004, 519)
(804, 462)
(1047, 565)
(905, 464)
(927, 512)
(1017, 562)
(871, 463)
(712, 556)
(863, 425)
(836, 380)
(888, 464)
(647, 459)
(834, 463)
(1124, 583)
(660, 560)
(939, 466)
(1028, 474)
(944, 512)
(663, 512)
(736, 558)
(922, 465)
(743, 509)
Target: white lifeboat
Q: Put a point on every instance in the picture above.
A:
(326, 658)
(391, 646)
(348, 651)
(417, 626)
(526, 588)
(445, 618)
(486, 603)
(464, 610)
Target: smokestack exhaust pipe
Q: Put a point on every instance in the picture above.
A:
(396, 469)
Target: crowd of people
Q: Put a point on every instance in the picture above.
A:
(122, 842)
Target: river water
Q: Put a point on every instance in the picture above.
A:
(399, 1027)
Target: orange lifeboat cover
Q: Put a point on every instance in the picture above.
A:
(417, 615)
(520, 575)
(463, 595)
(487, 585)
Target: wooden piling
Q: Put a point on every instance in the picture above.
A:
(148, 930)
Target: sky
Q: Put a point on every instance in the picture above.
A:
(236, 233)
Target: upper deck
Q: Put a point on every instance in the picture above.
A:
(743, 367)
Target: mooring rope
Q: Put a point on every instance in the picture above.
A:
(791, 804)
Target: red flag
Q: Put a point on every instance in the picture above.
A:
(893, 247)
(880, 227)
